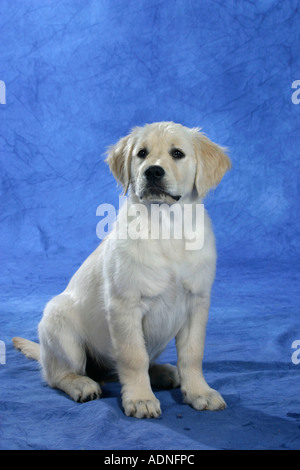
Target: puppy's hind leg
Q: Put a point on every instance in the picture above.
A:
(62, 352)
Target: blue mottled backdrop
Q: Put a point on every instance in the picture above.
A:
(75, 77)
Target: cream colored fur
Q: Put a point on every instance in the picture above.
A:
(131, 297)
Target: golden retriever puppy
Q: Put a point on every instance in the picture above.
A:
(134, 293)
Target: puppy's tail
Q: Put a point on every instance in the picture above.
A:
(29, 348)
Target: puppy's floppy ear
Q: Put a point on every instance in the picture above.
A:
(119, 160)
(212, 163)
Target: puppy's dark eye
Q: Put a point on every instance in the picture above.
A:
(142, 153)
(176, 153)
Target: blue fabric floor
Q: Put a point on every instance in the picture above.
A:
(77, 76)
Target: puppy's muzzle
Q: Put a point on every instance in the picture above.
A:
(155, 187)
(154, 174)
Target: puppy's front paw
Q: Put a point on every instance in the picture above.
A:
(207, 400)
(142, 408)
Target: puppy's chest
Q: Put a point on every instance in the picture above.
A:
(164, 297)
(166, 272)
(164, 315)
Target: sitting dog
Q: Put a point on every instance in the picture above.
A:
(132, 296)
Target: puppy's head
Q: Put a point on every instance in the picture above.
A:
(167, 162)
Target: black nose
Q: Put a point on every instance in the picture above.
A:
(154, 173)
